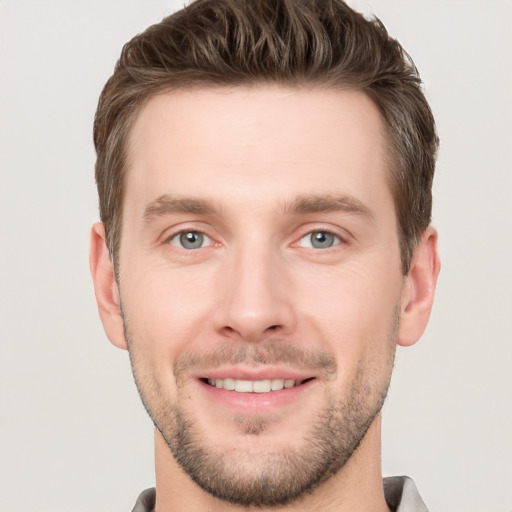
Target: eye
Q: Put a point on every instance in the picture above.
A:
(190, 240)
(319, 240)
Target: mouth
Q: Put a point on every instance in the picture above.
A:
(255, 386)
(249, 392)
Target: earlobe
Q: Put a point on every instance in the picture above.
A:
(105, 287)
(419, 289)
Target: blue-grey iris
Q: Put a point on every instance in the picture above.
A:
(322, 239)
(191, 240)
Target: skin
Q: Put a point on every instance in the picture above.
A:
(257, 170)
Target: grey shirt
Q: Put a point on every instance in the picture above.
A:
(400, 491)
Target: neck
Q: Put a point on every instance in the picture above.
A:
(357, 487)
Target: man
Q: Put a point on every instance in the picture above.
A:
(264, 172)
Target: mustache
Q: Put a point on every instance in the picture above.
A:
(270, 352)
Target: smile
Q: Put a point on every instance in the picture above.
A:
(254, 386)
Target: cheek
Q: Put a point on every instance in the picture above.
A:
(168, 308)
(351, 311)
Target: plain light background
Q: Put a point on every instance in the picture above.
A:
(73, 434)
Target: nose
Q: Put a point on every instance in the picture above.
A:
(256, 300)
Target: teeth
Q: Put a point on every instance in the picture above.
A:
(253, 386)
(261, 386)
(242, 386)
(229, 384)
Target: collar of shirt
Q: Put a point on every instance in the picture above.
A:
(400, 492)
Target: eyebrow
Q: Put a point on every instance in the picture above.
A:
(167, 204)
(305, 204)
(328, 203)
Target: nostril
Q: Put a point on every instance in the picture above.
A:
(249, 331)
(228, 330)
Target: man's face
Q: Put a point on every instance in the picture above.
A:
(259, 252)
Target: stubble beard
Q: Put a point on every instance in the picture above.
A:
(275, 478)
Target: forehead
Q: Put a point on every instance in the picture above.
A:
(230, 142)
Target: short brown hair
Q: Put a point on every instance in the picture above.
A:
(289, 42)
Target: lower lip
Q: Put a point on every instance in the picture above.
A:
(255, 403)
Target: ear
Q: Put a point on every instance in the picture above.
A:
(105, 287)
(419, 289)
